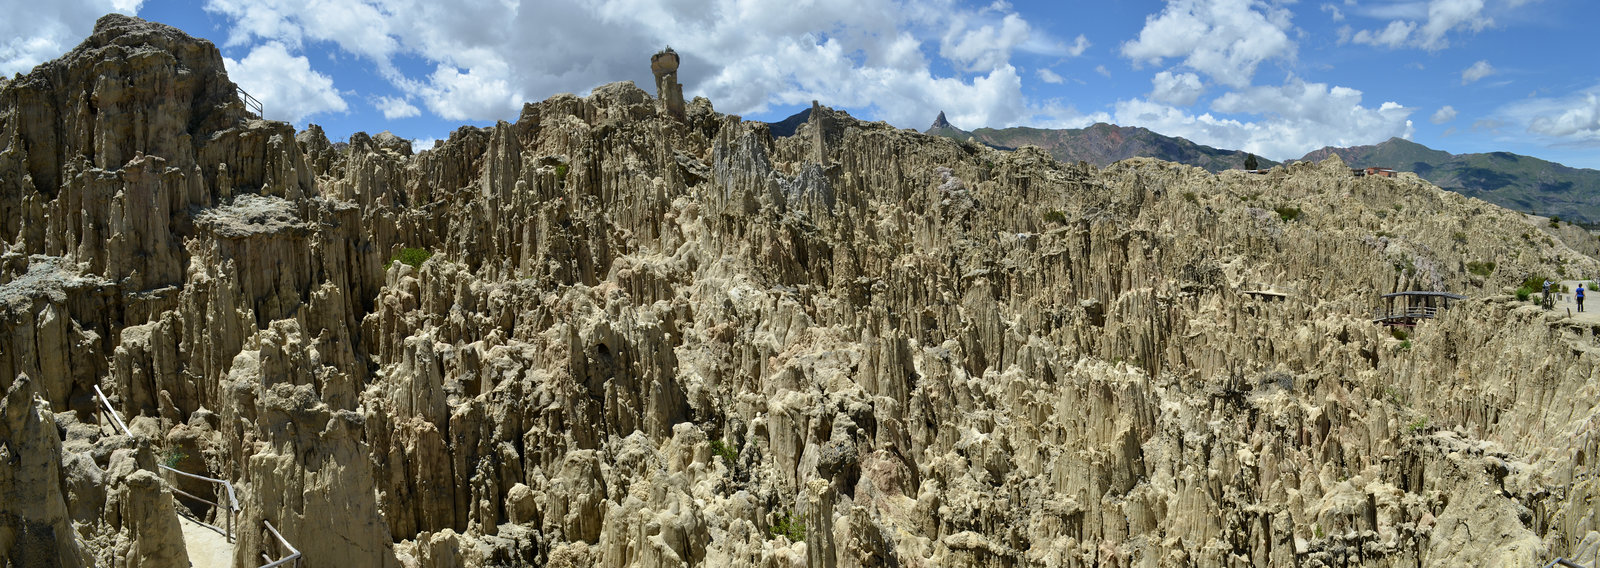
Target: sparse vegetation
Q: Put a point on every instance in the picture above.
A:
(173, 457)
(1191, 197)
(788, 526)
(1288, 213)
(1530, 285)
(412, 256)
(561, 173)
(726, 452)
(1419, 424)
(1057, 217)
(1398, 333)
(1392, 395)
(1459, 236)
(1481, 267)
(1405, 345)
(1555, 221)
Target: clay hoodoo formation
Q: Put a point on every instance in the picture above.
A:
(613, 333)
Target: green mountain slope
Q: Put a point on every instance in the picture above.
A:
(1523, 183)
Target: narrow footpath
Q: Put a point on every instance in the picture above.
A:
(207, 547)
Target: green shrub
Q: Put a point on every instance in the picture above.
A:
(1191, 197)
(1481, 268)
(1398, 333)
(1419, 424)
(728, 454)
(1057, 217)
(561, 173)
(1459, 236)
(1405, 345)
(173, 457)
(412, 256)
(1555, 221)
(1288, 213)
(788, 526)
(1524, 293)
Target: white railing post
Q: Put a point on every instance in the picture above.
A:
(294, 554)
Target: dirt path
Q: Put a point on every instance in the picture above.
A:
(1567, 305)
(207, 547)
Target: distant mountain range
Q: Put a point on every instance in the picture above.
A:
(1513, 181)
(1101, 144)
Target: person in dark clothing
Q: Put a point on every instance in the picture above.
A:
(1580, 297)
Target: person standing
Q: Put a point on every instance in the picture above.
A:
(1580, 297)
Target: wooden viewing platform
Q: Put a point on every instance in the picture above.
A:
(1413, 305)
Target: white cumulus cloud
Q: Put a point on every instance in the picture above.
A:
(285, 84)
(1079, 46)
(1180, 89)
(1571, 120)
(33, 32)
(1427, 25)
(1287, 120)
(1445, 114)
(1225, 39)
(985, 46)
(482, 58)
(1049, 76)
(396, 107)
(1395, 35)
(1477, 71)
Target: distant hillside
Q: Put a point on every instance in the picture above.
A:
(1509, 180)
(787, 126)
(1101, 144)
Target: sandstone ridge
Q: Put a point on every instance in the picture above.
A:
(628, 331)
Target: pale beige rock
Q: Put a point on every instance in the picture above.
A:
(652, 335)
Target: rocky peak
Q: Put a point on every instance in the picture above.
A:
(940, 122)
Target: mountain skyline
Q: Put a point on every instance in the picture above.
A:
(1522, 183)
(1274, 78)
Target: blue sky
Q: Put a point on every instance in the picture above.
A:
(1275, 77)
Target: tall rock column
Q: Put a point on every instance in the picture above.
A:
(664, 65)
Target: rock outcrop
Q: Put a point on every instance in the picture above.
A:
(613, 333)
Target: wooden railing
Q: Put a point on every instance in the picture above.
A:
(227, 488)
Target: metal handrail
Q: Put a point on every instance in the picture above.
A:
(1563, 562)
(233, 499)
(232, 507)
(1407, 313)
(294, 554)
(105, 402)
(250, 102)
